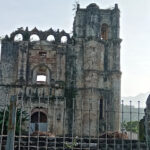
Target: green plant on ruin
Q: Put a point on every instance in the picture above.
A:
(4, 120)
(71, 145)
(75, 5)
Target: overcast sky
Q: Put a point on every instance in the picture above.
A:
(135, 30)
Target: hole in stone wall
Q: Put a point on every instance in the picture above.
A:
(104, 32)
(41, 79)
(18, 37)
(34, 37)
(42, 54)
(64, 39)
(50, 38)
(101, 109)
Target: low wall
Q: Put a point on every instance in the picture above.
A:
(69, 143)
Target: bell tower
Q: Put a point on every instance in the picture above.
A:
(98, 76)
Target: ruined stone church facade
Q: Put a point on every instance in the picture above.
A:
(77, 79)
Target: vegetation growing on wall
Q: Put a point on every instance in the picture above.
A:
(4, 116)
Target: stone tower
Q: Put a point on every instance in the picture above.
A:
(84, 70)
(98, 76)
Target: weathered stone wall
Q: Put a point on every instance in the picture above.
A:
(85, 70)
(98, 73)
(22, 61)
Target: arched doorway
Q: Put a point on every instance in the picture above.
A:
(38, 122)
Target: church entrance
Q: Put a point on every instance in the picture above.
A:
(38, 122)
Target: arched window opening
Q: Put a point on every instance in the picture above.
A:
(41, 74)
(101, 109)
(38, 117)
(40, 79)
(18, 37)
(38, 122)
(64, 39)
(34, 37)
(104, 32)
(50, 38)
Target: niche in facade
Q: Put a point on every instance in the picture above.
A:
(104, 32)
(101, 109)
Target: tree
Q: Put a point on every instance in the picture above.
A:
(4, 116)
(130, 126)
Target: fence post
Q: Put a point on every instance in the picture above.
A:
(11, 124)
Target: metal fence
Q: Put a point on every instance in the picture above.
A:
(27, 126)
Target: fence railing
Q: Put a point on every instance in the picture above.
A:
(46, 123)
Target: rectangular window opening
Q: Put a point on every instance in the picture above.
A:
(41, 79)
(42, 54)
(101, 109)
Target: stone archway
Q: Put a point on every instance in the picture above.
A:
(38, 122)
